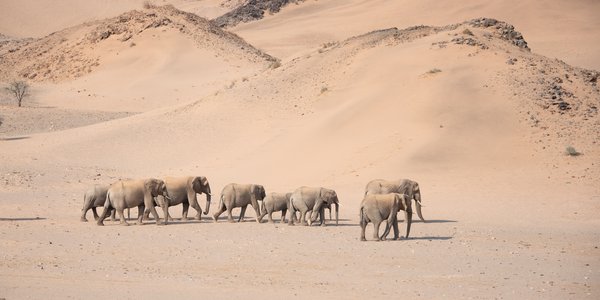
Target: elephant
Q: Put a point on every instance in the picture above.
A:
(240, 195)
(378, 207)
(183, 190)
(275, 202)
(95, 197)
(131, 193)
(401, 186)
(314, 199)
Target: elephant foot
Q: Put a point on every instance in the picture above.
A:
(84, 219)
(291, 224)
(323, 225)
(231, 221)
(124, 224)
(100, 224)
(362, 239)
(112, 220)
(214, 218)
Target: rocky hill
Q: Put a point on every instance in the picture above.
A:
(251, 10)
(72, 53)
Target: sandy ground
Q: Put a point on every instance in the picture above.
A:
(509, 214)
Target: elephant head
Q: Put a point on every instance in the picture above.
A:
(326, 198)
(157, 187)
(415, 192)
(200, 185)
(258, 191)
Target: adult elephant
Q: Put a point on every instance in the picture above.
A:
(183, 190)
(313, 199)
(95, 197)
(240, 195)
(131, 193)
(400, 186)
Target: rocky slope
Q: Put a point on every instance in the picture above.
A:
(74, 52)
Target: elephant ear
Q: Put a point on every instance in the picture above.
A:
(415, 187)
(196, 184)
(153, 186)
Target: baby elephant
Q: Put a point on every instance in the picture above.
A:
(275, 202)
(95, 197)
(376, 208)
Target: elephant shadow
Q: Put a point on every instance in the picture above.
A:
(22, 219)
(430, 238)
(434, 221)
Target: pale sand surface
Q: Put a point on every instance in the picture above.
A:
(510, 215)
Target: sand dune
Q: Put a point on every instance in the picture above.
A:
(463, 106)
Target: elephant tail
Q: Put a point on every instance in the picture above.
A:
(221, 203)
(362, 214)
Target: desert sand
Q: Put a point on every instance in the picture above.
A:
(321, 93)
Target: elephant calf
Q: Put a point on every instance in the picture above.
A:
(240, 195)
(95, 197)
(376, 208)
(275, 202)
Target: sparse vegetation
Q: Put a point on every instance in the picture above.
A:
(274, 65)
(324, 89)
(433, 71)
(19, 89)
(467, 32)
(571, 151)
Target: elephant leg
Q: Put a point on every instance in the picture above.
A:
(292, 215)
(386, 231)
(303, 217)
(105, 214)
(221, 210)
(230, 215)
(112, 215)
(83, 213)
(322, 216)
(363, 227)
(242, 213)
(396, 231)
(140, 215)
(283, 212)
(256, 212)
(376, 224)
(184, 213)
(408, 216)
(196, 206)
(165, 207)
(122, 217)
(96, 217)
(262, 215)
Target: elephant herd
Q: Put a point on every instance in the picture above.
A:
(383, 199)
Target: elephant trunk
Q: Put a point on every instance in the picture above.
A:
(408, 216)
(337, 208)
(418, 203)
